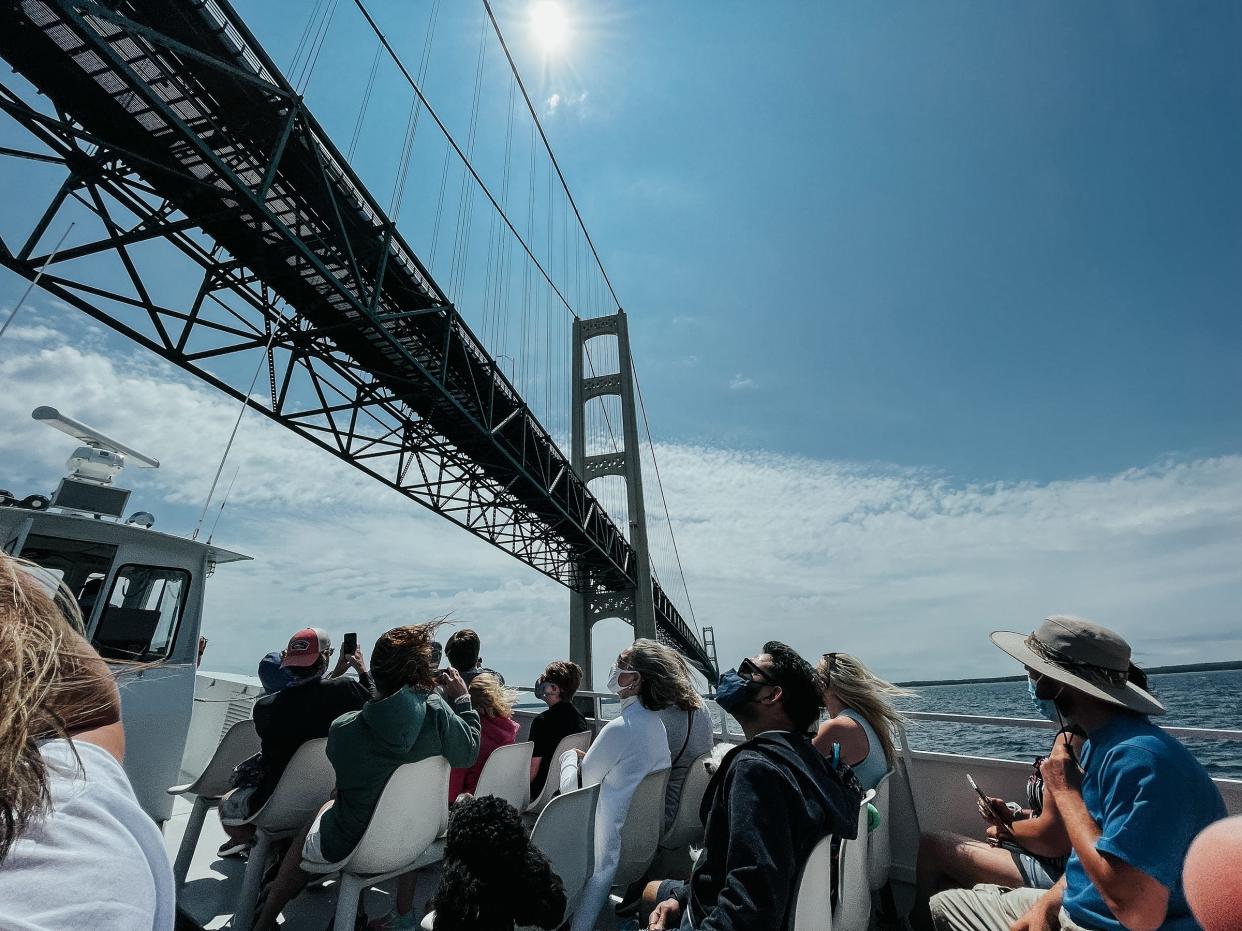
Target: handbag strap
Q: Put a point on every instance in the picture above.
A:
(685, 743)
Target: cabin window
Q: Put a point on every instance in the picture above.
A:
(80, 564)
(143, 611)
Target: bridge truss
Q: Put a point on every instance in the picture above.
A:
(174, 127)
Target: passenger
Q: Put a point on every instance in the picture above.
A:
(861, 717)
(688, 725)
(556, 687)
(772, 799)
(462, 651)
(1131, 808)
(492, 877)
(1024, 848)
(274, 676)
(630, 747)
(299, 712)
(76, 849)
(495, 707)
(408, 721)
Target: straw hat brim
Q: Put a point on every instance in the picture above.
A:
(1128, 696)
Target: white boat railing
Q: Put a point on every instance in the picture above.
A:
(1181, 733)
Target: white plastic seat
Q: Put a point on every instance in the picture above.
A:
(879, 841)
(506, 775)
(813, 899)
(640, 834)
(565, 833)
(687, 828)
(580, 741)
(241, 741)
(304, 786)
(406, 823)
(853, 908)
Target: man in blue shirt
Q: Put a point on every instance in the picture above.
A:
(1131, 805)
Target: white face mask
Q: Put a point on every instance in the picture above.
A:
(614, 679)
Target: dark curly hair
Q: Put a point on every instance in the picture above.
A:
(799, 684)
(492, 877)
(564, 674)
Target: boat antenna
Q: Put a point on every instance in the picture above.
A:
(35, 281)
(228, 447)
(228, 491)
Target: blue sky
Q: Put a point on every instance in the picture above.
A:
(935, 308)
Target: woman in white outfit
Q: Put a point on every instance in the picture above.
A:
(629, 748)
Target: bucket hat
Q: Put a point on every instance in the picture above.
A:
(1083, 655)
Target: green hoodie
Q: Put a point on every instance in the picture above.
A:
(366, 747)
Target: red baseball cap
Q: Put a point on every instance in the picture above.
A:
(305, 647)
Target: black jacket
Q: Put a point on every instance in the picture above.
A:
(771, 800)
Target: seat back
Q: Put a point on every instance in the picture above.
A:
(640, 834)
(565, 833)
(813, 899)
(241, 741)
(853, 890)
(304, 786)
(687, 828)
(879, 841)
(580, 741)
(506, 774)
(407, 818)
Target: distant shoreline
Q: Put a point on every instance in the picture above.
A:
(1153, 671)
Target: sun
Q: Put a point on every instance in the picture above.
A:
(549, 25)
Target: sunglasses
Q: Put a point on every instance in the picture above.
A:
(749, 670)
(831, 659)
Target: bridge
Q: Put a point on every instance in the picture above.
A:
(173, 127)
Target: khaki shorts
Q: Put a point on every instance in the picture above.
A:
(988, 908)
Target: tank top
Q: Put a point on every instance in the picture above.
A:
(873, 766)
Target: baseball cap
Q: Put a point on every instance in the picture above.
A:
(305, 647)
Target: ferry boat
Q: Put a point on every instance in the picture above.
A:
(142, 595)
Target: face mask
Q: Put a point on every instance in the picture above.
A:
(1047, 707)
(614, 680)
(541, 690)
(733, 691)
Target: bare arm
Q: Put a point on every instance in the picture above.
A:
(534, 767)
(846, 732)
(1137, 900)
(1042, 915)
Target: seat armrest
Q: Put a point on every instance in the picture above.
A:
(180, 790)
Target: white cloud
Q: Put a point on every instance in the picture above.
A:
(903, 566)
(558, 103)
(690, 361)
(740, 382)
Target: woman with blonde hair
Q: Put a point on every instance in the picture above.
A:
(68, 816)
(494, 703)
(861, 716)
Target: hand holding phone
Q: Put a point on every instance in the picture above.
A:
(988, 807)
(350, 644)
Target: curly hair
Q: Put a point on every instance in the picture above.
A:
(491, 699)
(665, 677)
(799, 684)
(403, 656)
(52, 684)
(493, 878)
(564, 675)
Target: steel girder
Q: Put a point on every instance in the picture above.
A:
(173, 125)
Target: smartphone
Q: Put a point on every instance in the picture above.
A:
(986, 801)
(350, 644)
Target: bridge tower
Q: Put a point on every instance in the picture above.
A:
(587, 603)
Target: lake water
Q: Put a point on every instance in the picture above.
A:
(1193, 699)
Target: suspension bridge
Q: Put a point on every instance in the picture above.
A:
(218, 225)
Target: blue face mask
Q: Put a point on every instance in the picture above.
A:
(733, 691)
(1047, 707)
(541, 690)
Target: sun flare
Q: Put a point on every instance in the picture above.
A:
(549, 25)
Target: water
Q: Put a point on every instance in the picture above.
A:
(1193, 699)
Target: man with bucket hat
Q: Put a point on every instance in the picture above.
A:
(1131, 805)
